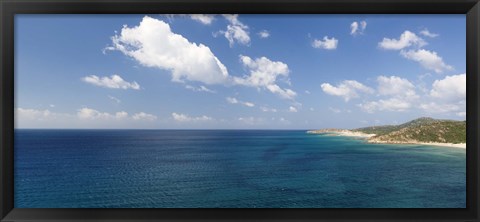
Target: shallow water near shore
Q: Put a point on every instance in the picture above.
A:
(230, 169)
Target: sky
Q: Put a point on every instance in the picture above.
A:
(237, 71)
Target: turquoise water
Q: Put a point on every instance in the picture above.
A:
(230, 169)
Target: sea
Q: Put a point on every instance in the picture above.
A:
(230, 169)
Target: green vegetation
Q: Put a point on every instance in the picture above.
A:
(420, 130)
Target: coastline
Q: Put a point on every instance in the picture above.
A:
(452, 145)
(349, 133)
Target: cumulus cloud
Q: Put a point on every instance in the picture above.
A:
(451, 88)
(144, 116)
(399, 92)
(406, 39)
(292, 109)
(395, 86)
(326, 43)
(428, 59)
(427, 33)
(358, 27)
(180, 117)
(112, 82)
(203, 18)
(199, 89)
(236, 101)
(264, 34)
(236, 32)
(391, 104)
(264, 74)
(348, 89)
(153, 44)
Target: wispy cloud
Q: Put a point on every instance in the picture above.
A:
(357, 28)
(199, 89)
(203, 18)
(180, 117)
(112, 82)
(427, 33)
(264, 34)
(232, 100)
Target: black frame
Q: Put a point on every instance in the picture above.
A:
(8, 8)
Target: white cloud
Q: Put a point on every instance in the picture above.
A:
(264, 74)
(326, 43)
(116, 100)
(33, 114)
(307, 92)
(91, 114)
(51, 106)
(236, 101)
(292, 109)
(433, 107)
(428, 59)
(462, 114)
(391, 104)
(153, 44)
(427, 33)
(112, 82)
(358, 27)
(83, 118)
(406, 39)
(203, 18)
(400, 95)
(264, 34)
(186, 118)
(199, 89)
(395, 86)
(236, 32)
(451, 88)
(348, 89)
(38, 118)
(144, 116)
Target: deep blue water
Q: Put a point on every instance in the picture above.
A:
(230, 169)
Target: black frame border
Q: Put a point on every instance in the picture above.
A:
(8, 8)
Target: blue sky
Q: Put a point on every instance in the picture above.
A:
(237, 71)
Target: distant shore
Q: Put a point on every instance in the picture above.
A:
(349, 133)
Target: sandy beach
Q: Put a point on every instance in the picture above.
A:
(454, 145)
(354, 134)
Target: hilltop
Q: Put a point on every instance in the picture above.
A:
(426, 130)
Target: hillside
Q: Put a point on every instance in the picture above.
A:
(419, 130)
